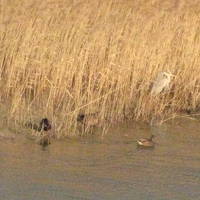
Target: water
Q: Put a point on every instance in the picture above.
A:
(96, 168)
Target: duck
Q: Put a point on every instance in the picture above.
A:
(146, 142)
(88, 122)
(88, 119)
(45, 126)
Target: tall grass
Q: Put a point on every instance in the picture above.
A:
(60, 58)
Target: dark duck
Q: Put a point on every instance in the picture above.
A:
(45, 126)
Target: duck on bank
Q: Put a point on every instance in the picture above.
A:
(88, 122)
(90, 119)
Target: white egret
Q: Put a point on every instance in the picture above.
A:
(161, 83)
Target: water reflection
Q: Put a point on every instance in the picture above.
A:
(109, 167)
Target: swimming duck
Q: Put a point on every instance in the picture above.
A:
(45, 126)
(146, 142)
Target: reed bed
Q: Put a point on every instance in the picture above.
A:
(62, 58)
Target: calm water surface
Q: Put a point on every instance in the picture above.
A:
(96, 168)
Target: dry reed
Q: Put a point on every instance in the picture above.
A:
(61, 58)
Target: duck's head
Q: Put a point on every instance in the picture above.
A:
(80, 117)
(45, 124)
